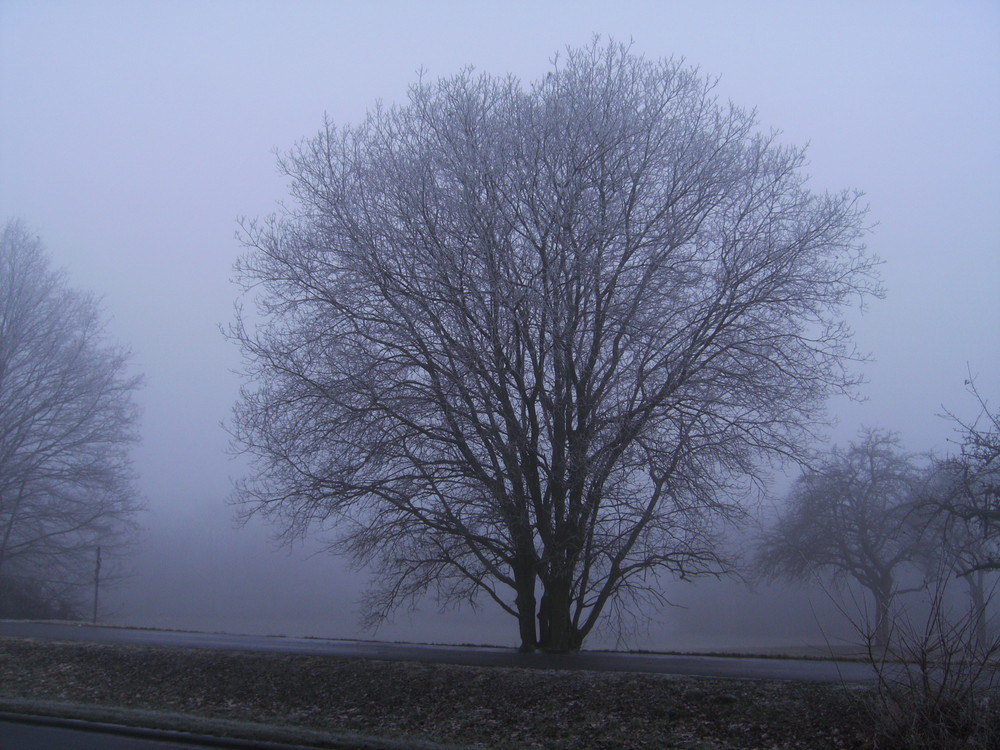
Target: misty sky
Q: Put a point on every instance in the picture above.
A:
(133, 135)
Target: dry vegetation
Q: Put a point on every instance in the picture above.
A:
(482, 707)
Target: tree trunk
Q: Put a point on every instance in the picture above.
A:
(544, 610)
(883, 616)
(978, 609)
(525, 603)
(557, 632)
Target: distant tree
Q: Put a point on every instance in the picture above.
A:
(530, 343)
(953, 545)
(67, 420)
(960, 505)
(970, 492)
(22, 597)
(852, 516)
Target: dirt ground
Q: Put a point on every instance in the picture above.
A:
(470, 706)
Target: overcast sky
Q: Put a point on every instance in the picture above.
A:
(134, 134)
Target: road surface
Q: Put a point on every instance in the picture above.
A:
(29, 736)
(729, 667)
(26, 732)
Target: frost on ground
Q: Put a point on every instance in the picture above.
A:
(478, 706)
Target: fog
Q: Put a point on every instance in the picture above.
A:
(133, 135)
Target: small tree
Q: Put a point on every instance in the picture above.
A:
(852, 516)
(518, 342)
(67, 420)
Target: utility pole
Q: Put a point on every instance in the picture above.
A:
(97, 580)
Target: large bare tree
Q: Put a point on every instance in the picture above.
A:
(67, 421)
(853, 515)
(529, 342)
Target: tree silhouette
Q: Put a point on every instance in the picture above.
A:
(67, 421)
(529, 343)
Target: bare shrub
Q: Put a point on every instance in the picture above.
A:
(936, 681)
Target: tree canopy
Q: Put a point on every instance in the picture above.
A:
(853, 515)
(529, 342)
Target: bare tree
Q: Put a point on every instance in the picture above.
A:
(970, 491)
(960, 505)
(955, 544)
(67, 420)
(853, 516)
(531, 343)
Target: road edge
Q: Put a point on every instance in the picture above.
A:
(189, 728)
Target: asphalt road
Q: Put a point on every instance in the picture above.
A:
(27, 732)
(16, 735)
(802, 670)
